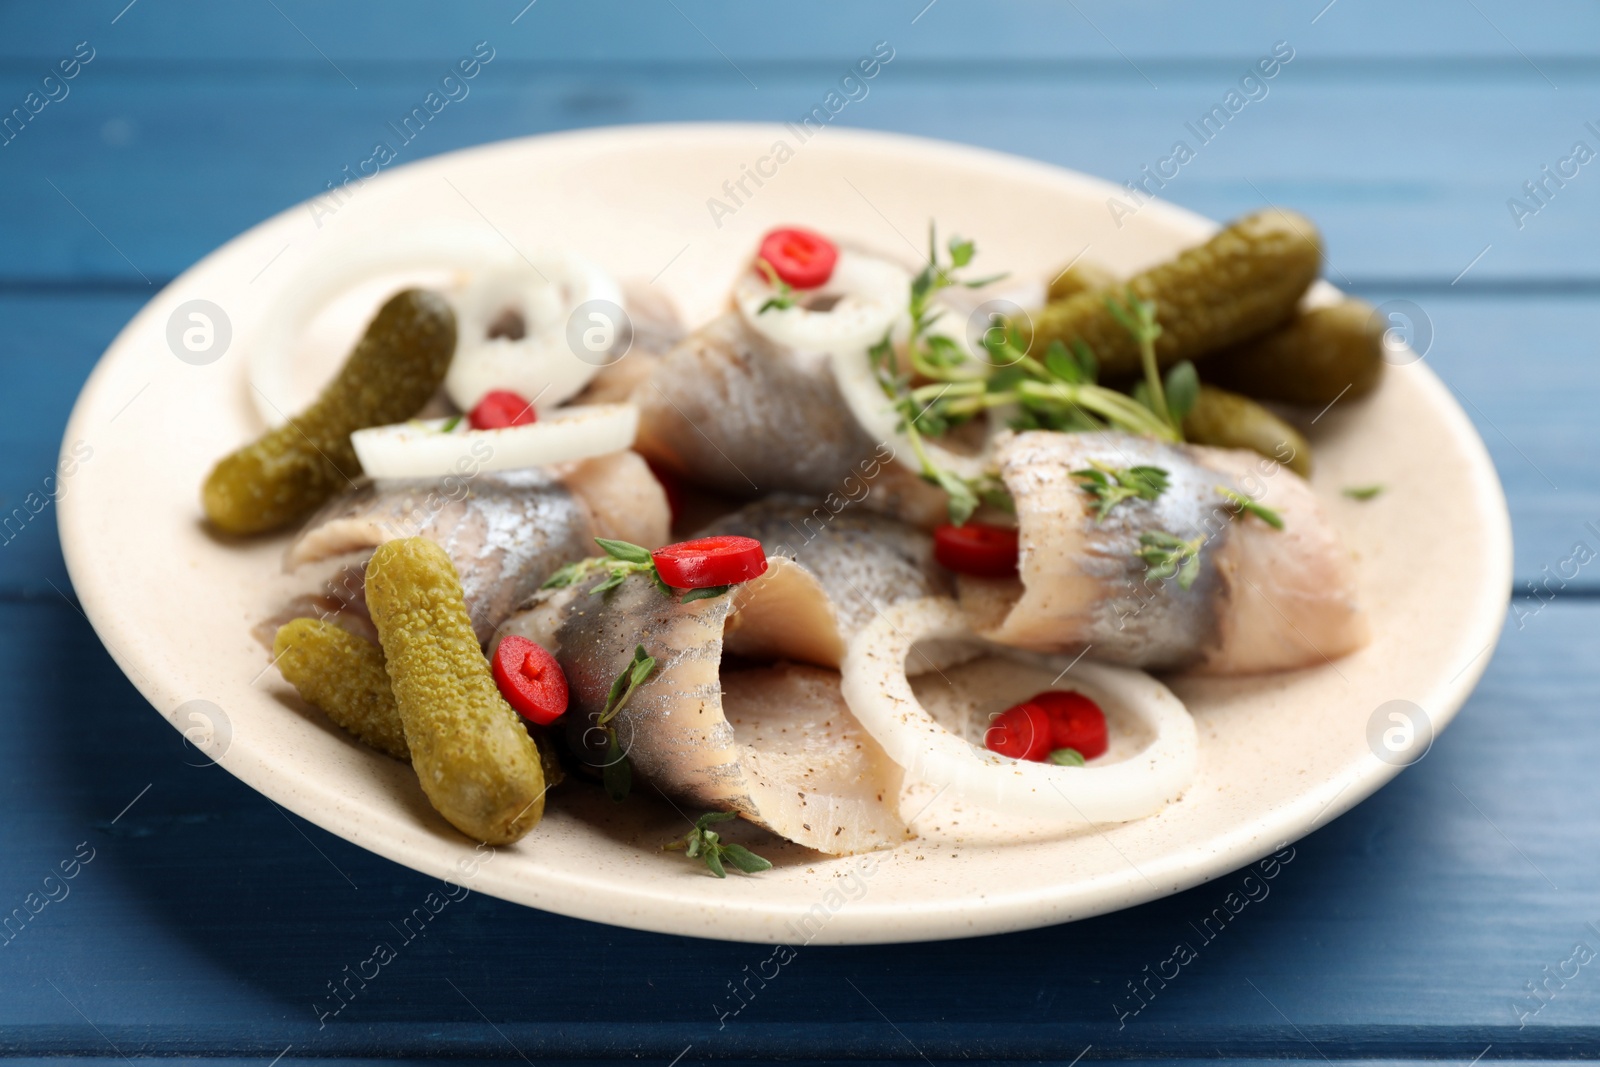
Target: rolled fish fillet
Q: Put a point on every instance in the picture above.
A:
(748, 405)
(775, 743)
(1262, 600)
(505, 532)
(736, 412)
(864, 562)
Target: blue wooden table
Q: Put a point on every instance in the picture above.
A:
(1456, 915)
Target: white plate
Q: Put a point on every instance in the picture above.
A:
(1279, 755)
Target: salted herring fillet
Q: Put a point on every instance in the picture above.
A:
(505, 532)
(1263, 600)
(776, 743)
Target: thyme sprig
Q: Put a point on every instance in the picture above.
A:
(943, 386)
(621, 559)
(783, 295)
(1170, 399)
(1167, 555)
(1242, 504)
(617, 773)
(704, 843)
(1110, 486)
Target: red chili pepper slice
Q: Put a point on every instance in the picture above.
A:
(710, 561)
(799, 257)
(1075, 722)
(501, 408)
(530, 679)
(1022, 732)
(977, 549)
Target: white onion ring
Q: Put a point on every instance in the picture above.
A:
(352, 262)
(1064, 798)
(871, 297)
(543, 364)
(423, 449)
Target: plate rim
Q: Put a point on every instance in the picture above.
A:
(650, 908)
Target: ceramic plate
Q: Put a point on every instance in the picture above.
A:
(671, 206)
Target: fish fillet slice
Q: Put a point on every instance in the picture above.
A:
(776, 744)
(815, 775)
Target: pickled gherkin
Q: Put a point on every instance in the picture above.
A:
(1320, 356)
(1243, 282)
(476, 762)
(344, 675)
(391, 373)
(1227, 420)
(1077, 278)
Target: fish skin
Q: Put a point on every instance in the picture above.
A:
(732, 411)
(1083, 586)
(864, 561)
(675, 728)
(1264, 600)
(506, 532)
(672, 728)
(1292, 598)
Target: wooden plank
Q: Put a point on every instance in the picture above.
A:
(144, 169)
(207, 922)
(55, 341)
(187, 30)
(1522, 366)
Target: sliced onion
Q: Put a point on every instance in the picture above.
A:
(482, 268)
(878, 692)
(425, 449)
(551, 361)
(346, 265)
(866, 296)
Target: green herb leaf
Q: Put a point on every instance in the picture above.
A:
(450, 424)
(1242, 504)
(1138, 317)
(619, 686)
(1363, 492)
(1189, 571)
(567, 575)
(705, 844)
(961, 252)
(963, 501)
(1005, 379)
(1086, 360)
(643, 664)
(623, 550)
(616, 578)
(1166, 556)
(617, 775)
(707, 593)
(713, 857)
(1067, 757)
(632, 677)
(783, 298)
(1183, 390)
(745, 860)
(1060, 363)
(1110, 486)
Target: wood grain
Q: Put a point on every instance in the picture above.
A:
(209, 924)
